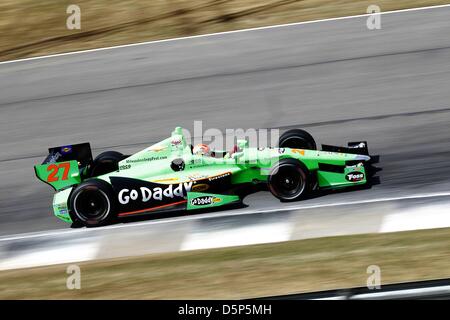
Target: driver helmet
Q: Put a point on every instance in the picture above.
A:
(201, 150)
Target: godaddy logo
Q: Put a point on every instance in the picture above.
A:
(204, 200)
(145, 194)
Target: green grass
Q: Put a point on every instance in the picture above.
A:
(32, 28)
(245, 272)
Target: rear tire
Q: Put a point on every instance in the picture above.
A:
(93, 203)
(289, 180)
(106, 162)
(298, 139)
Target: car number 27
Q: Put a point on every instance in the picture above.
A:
(54, 168)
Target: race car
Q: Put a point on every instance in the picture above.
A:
(174, 175)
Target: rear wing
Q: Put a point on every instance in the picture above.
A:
(63, 165)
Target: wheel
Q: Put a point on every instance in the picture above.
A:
(92, 203)
(105, 162)
(297, 138)
(289, 180)
(76, 224)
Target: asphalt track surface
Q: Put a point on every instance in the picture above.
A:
(337, 79)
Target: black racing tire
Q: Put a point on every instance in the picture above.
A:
(298, 139)
(289, 180)
(93, 203)
(76, 224)
(106, 162)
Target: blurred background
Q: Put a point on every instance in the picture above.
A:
(337, 79)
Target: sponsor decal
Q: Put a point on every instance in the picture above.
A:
(205, 200)
(299, 151)
(54, 157)
(354, 176)
(157, 148)
(200, 187)
(357, 167)
(166, 179)
(124, 167)
(197, 176)
(281, 150)
(196, 161)
(146, 159)
(145, 194)
(61, 208)
(220, 176)
(66, 149)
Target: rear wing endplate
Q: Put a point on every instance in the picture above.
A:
(62, 167)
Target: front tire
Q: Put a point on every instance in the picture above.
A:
(297, 139)
(289, 180)
(93, 204)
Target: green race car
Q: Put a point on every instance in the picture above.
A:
(172, 175)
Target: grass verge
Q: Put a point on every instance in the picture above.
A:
(245, 272)
(32, 28)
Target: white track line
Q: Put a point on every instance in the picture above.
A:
(406, 293)
(221, 214)
(239, 236)
(51, 256)
(224, 33)
(426, 217)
